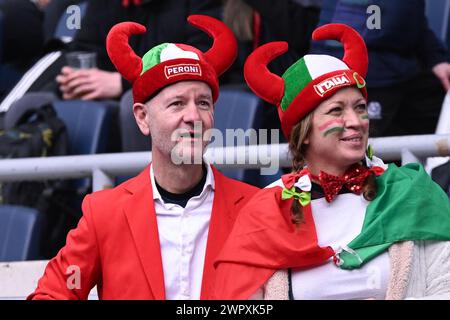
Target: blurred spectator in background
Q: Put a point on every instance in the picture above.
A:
(31, 49)
(256, 22)
(166, 20)
(408, 71)
(20, 44)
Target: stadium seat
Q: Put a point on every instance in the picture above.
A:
(437, 13)
(132, 138)
(20, 231)
(62, 29)
(239, 109)
(88, 126)
(87, 123)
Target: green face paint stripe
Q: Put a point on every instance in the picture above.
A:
(334, 129)
(365, 117)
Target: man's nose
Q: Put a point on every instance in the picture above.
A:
(191, 113)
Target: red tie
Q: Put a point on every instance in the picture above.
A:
(353, 179)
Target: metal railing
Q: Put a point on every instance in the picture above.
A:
(104, 167)
(18, 279)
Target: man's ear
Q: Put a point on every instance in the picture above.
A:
(140, 112)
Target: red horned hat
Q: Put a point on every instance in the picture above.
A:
(310, 80)
(169, 63)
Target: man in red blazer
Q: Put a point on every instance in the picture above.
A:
(156, 236)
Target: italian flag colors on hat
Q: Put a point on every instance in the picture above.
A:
(169, 63)
(310, 80)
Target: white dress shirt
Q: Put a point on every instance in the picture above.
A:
(183, 233)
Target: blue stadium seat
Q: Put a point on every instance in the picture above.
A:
(62, 30)
(20, 231)
(87, 125)
(437, 13)
(239, 109)
(132, 138)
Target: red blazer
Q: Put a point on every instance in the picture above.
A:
(116, 244)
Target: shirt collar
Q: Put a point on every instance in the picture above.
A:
(208, 183)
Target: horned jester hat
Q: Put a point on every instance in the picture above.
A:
(168, 63)
(264, 239)
(312, 79)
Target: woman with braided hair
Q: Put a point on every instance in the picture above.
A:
(342, 225)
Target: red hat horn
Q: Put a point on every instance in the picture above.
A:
(264, 83)
(121, 54)
(355, 51)
(224, 48)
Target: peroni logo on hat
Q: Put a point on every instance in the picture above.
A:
(181, 69)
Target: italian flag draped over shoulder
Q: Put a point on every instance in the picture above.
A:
(408, 206)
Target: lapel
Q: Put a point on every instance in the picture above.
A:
(220, 225)
(140, 214)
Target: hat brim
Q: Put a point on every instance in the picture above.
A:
(172, 71)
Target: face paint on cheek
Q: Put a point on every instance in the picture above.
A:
(335, 125)
(332, 130)
(330, 123)
(365, 121)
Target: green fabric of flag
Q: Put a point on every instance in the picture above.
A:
(408, 206)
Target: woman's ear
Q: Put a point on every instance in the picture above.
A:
(140, 112)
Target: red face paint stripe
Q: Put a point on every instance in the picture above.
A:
(326, 124)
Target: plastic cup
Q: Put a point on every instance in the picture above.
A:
(81, 59)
